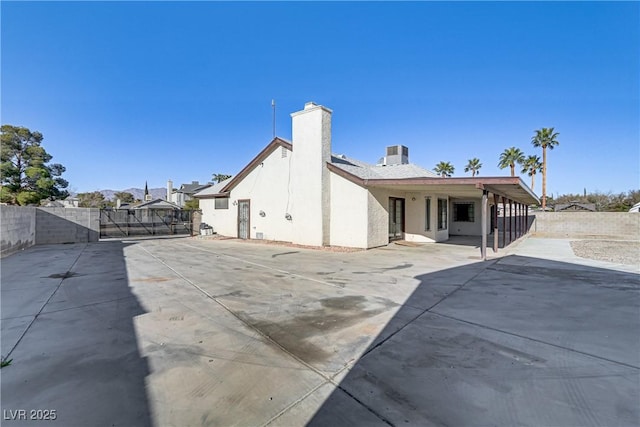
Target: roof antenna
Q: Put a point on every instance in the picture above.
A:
(273, 105)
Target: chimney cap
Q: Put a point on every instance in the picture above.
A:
(309, 105)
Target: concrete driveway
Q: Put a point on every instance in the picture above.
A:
(190, 332)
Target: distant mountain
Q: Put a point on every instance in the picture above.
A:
(138, 193)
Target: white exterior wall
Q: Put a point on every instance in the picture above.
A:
(440, 235)
(415, 216)
(310, 180)
(209, 215)
(469, 228)
(348, 213)
(266, 186)
(378, 213)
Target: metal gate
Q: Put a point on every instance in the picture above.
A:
(145, 222)
(244, 219)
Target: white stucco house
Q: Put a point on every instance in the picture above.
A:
(298, 191)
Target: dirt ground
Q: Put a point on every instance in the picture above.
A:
(617, 251)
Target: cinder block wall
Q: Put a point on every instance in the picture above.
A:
(613, 225)
(17, 228)
(67, 225)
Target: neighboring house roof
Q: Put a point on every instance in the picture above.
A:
(157, 204)
(54, 204)
(575, 206)
(213, 191)
(192, 188)
(366, 171)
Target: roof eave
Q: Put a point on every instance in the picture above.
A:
(275, 142)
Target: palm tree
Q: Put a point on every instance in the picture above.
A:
(531, 166)
(510, 157)
(219, 177)
(545, 138)
(444, 169)
(474, 166)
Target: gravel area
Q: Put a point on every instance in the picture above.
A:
(617, 251)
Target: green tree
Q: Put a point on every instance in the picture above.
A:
(509, 158)
(27, 176)
(94, 199)
(545, 138)
(192, 204)
(219, 177)
(124, 196)
(444, 169)
(531, 166)
(473, 166)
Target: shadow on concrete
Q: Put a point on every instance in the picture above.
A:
(516, 341)
(69, 328)
(66, 225)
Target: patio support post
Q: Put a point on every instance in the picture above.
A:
(495, 223)
(519, 220)
(526, 219)
(510, 221)
(504, 222)
(517, 205)
(483, 219)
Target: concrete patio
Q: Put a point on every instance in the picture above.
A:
(190, 332)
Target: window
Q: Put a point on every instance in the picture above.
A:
(392, 151)
(427, 215)
(442, 214)
(463, 212)
(222, 203)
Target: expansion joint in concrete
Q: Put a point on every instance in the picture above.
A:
(427, 310)
(573, 350)
(327, 379)
(44, 305)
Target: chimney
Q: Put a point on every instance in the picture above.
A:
(310, 186)
(397, 155)
(118, 203)
(169, 190)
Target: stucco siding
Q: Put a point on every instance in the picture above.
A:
(267, 188)
(415, 215)
(208, 213)
(465, 228)
(310, 183)
(348, 213)
(378, 212)
(441, 235)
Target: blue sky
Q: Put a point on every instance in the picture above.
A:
(131, 92)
